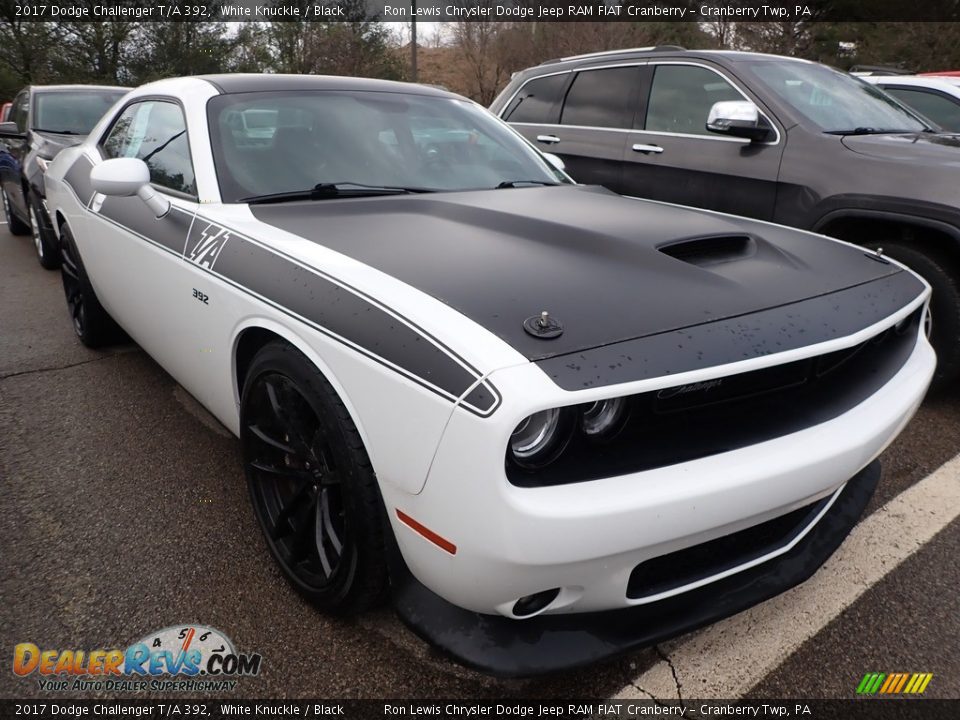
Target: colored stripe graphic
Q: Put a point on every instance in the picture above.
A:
(894, 683)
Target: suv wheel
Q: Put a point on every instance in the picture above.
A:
(944, 328)
(48, 253)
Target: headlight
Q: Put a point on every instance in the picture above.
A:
(603, 418)
(538, 439)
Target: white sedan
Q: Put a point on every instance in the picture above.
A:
(555, 423)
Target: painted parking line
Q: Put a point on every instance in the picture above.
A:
(725, 660)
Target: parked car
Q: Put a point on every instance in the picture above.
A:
(44, 119)
(553, 417)
(763, 136)
(936, 98)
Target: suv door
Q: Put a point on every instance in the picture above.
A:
(671, 156)
(582, 116)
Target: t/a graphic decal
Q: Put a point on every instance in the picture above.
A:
(205, 251)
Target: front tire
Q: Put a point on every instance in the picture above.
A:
(944, 330)
(91, 322)
(15, 224)
(48, 252)
(313, 489)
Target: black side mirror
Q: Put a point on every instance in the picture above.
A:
(10, 130)
(738, 118)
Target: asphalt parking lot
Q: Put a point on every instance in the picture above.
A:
(125, 511)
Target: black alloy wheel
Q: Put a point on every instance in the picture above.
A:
(92, 323)
(73, 288)
(311, 484)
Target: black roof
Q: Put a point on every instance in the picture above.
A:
(266, 82)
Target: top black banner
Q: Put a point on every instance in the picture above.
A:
(481, 10)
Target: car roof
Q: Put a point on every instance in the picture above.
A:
(73, 88)
(947, 84)
(267, 82)
(664, 50)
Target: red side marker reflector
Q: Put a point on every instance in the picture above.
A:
(426, 532)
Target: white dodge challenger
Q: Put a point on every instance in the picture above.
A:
(552, 422)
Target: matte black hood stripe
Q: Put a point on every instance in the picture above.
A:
(767, 332)
(594, 260)
(77, 179)
(331, 307)
(347, 315)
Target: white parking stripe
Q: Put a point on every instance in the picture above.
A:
(725, 660)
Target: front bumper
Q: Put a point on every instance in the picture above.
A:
(588, 538)
(547, 643)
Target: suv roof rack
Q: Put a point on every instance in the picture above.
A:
(604, 53)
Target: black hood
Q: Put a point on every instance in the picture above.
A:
(930, 149)
(607, 267)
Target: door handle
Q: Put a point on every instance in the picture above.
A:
(548, 139)
(647, 149)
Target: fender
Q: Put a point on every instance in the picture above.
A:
(946, 227)
(374, 450)
(265, 323)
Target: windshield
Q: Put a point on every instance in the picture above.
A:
(835, 101)
(282, 142)
(72, 112)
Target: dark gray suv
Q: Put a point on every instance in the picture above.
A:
(769, 137)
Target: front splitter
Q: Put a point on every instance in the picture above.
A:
(547, 643)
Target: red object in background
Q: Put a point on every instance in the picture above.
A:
(4, 111)
(948, 73)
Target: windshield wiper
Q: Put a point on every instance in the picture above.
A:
(323, 191)
(57, 132)
(869, 131)
(518, 183)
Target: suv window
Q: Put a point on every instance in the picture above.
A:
(681, 97)
(156, 133)
(834, 101)
(72, 112)
(601, 98)
(942, 110)
(536, 100)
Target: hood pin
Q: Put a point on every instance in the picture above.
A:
(543, 326)
(878, 256)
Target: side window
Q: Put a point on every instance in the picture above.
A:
(944, 111)
(156, 133)
(536, 100)
(681, 97)
(601, 98)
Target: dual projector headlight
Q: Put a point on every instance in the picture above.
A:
(540, 438)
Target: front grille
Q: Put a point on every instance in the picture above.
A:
(686, 422)
(677, 569)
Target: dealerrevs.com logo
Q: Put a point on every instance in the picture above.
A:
(180, 658)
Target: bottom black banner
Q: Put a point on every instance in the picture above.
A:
(894, 709)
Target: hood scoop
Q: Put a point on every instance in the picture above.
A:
(707, 251)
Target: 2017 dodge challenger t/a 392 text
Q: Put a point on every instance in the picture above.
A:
(552, 422)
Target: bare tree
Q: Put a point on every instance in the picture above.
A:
(480, 45)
